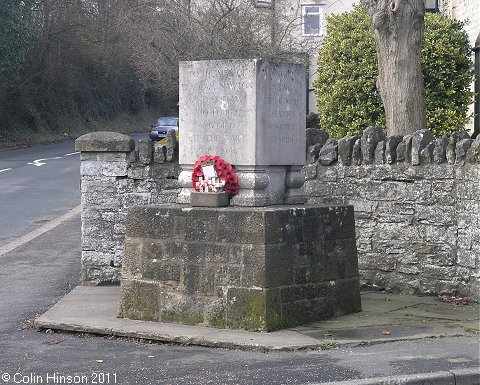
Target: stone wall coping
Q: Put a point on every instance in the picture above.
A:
(373, 147)
(104, 141)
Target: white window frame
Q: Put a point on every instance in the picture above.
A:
(319, 14)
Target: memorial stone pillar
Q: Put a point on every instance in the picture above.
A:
(252, 114)
(266, 261)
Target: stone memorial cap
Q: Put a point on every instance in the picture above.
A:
(248, 111)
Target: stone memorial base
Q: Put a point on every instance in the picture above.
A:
(204, 199)
(256, 268)
(259, 186)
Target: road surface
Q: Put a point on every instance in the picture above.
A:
(37, 185)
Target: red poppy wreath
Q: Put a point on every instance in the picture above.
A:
(225, 172)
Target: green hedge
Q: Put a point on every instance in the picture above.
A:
(345, 88)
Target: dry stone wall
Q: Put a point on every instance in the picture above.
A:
(417, 204)
(114, 177)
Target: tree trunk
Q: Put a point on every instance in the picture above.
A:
(398, 27)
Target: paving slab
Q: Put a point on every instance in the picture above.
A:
(93, 309)
(384, 318)
(395, 317)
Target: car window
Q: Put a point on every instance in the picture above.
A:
(167, 122)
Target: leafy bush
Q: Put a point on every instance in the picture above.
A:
(313, 121)
(448, 73)
(14, 35)
(345, 88)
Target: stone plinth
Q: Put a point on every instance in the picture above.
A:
(252, 114)
(203, 199)
(239, 268)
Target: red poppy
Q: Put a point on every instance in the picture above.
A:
(225, 171)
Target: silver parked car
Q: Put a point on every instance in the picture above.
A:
(162, 126)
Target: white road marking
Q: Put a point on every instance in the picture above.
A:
(41, 230)
(40, 162)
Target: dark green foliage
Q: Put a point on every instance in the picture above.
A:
(65, 67)
(14, 35)
(313, 120)
(448, 73)
(345, 87)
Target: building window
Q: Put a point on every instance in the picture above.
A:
(431, 6)
(312, 20)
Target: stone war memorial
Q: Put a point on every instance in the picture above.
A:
(240, 249)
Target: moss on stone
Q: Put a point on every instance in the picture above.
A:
(218, 322)
(196, 319)
(276, 321)
(255, 313)
(167, 316)
(182, 318)
(139, 302)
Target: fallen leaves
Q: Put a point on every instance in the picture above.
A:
(28, 324)
(454, 300)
